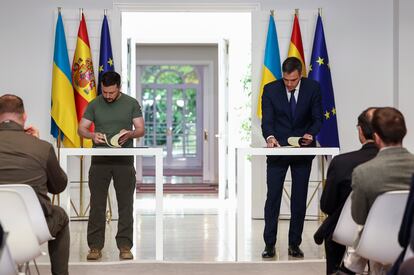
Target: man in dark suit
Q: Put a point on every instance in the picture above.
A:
(291, 107)
(338, 188)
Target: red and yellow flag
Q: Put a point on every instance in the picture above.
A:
(296, 47)
(83, 78)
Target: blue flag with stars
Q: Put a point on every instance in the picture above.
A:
(320, 71)
(106, 60)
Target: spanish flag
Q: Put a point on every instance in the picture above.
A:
(296, 47)
(63, 110)
(271, 66)
(83, 77)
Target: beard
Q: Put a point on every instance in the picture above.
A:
(109, 101)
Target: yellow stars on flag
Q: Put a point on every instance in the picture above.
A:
(328, 114)
(101, 68)
(110, 62)
(320, 61)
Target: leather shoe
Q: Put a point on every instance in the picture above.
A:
(94, 254)
(125, 253)
(268, 252)
(295, 251)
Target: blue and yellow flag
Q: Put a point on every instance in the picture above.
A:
(63, 110)
(320, 71)
(271, 66)
(106, 60)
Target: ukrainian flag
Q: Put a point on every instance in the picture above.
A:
(63, 110)
(271, 66)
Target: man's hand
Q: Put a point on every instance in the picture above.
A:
(272, 142)
(30, 130)
(125, 137)
(98, 138)
(307, 140)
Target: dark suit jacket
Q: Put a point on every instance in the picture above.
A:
(25, 159)
(338, 181)
(338, 186)
(276, 114)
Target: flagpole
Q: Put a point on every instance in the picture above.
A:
(320, 12)
(58, 145)
(80, 14)
(272, 13)
(105, 11)
(297, 12)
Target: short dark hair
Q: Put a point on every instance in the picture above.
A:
(365, 122)
(292, 64)
(11, 104)
(389, 124)
(111, 78)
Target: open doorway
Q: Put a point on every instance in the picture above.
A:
(192, 104)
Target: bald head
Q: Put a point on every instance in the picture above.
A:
(12, 108)
(365, 130)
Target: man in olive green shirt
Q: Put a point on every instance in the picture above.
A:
(112, 113)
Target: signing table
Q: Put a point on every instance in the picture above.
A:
(157, 152)
(244, 190)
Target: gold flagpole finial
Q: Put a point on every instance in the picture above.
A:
(80, 13)
(59, 9)
(320, 12)
(297, 12)
(105, 11)
(272, 13)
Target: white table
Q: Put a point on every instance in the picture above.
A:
(244, 191)
(157, 152)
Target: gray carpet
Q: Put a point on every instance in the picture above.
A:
(177, 268)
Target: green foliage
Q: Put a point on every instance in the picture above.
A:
(183, 106)
(246, 124)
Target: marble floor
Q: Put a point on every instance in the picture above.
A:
(197, 228)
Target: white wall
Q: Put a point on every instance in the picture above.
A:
(27, 31)
(359, 37)
(405, 67)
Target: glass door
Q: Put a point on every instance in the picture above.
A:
(172, 109)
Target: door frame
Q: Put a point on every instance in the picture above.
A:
(118, 50)
(209, 152)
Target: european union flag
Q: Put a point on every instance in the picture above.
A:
(106, 60)
(320, 71)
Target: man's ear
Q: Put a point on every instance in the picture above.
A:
(377, 139)
(24, 117)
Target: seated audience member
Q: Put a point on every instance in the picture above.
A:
(406, 234)
(25, 159)
(338, 188)
(390, 170)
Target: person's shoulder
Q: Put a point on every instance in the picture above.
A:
(369, 167)
(98, 99)
(307, 82)
(274, 85)
(38, 144)
(129, 98)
